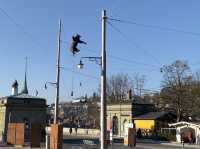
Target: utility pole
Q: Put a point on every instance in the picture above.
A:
(58, 76)
(120, 117)
(103, 84)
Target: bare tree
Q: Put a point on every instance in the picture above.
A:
(118, 85)
(176, 84)
(139, 82)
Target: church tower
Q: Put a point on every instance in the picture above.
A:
(25, 88)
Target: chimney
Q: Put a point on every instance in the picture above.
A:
(15, 88)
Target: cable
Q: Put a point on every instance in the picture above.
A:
(21, 28)
(80, 73)
(127, 60)
(119, 58)
(136, 45)
(131, 61)
(154, 27)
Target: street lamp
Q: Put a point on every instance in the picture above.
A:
(80, 65)
(102, 62)
(97, 60)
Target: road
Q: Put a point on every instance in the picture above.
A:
(77, 142)
(115, 146)
(138, 146)
(158, 146)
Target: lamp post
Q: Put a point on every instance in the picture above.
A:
(103, 81)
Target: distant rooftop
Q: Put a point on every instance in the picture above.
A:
(135, 100)
(22, 96)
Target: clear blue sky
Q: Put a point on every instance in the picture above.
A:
(31, 30)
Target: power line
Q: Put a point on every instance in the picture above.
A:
(80, 73)
(154, 26)
(132, 61)
(26, 33)
(129, 41)
(122, 59)
(126, 60)
(20, 27)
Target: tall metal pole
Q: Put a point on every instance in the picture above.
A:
(103, 83)
(120, 118)
(58, 76)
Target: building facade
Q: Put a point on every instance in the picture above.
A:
(21, 108)
(154, 120)
(121, 113)
(187, 131)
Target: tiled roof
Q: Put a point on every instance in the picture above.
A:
(139, 100)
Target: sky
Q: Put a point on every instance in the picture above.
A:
(142, 36)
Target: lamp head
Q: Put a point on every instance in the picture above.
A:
(80, 65)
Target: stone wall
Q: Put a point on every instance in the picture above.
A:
(80, 131)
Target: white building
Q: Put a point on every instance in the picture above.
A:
(184, 128)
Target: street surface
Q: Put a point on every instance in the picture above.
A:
(115, 146)
(89, 142)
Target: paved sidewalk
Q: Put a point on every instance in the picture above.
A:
(141, 144)
(180, 145)
(174, 144)
(71, 146)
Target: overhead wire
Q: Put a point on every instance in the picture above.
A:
(80, 73)
(126, 60)
(154, 26)
(114, 57)
(155, 67)
(122, 59)
(96, 78)
(131, 43)
(19, 26)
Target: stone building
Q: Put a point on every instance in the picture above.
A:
(121, 113)
(21, 108)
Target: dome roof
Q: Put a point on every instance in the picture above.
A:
(15, 83)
